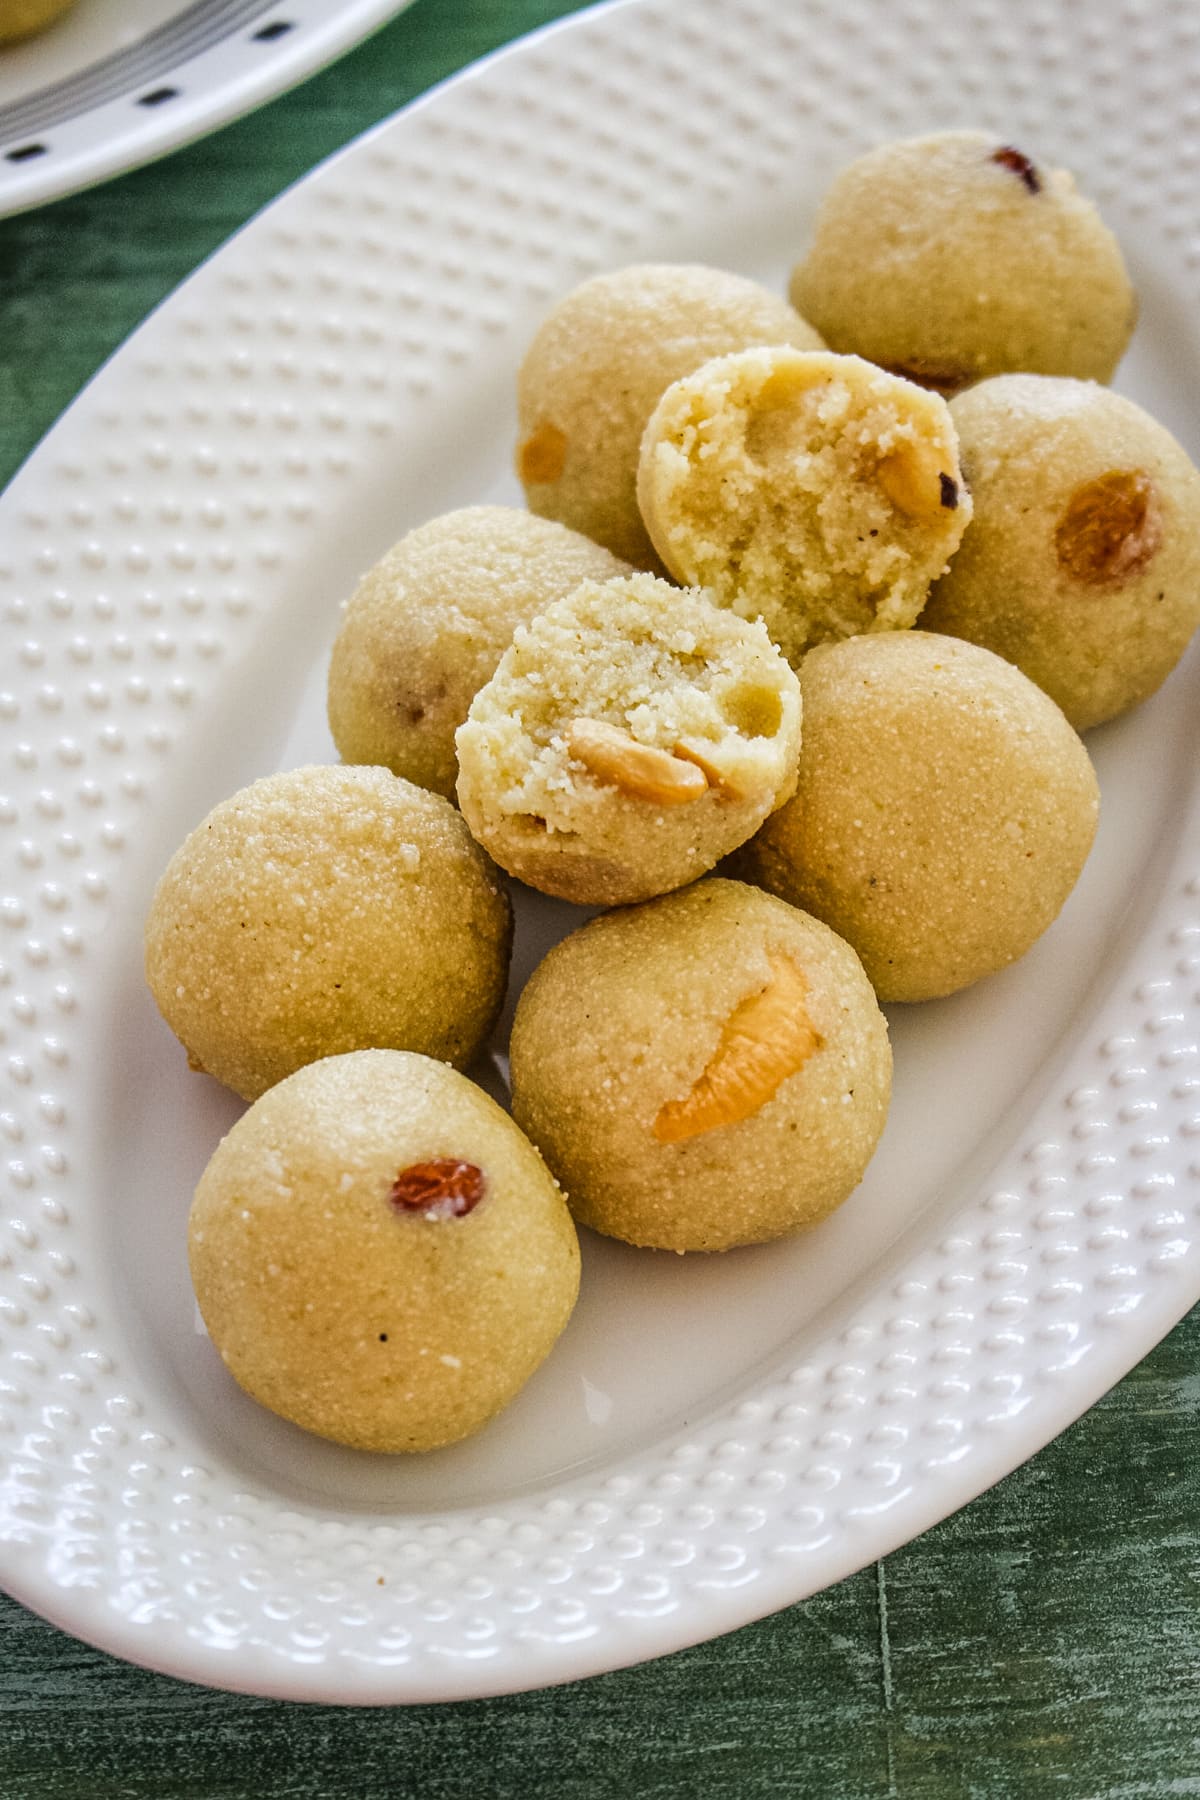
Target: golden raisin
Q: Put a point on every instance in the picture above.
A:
(542, 457)
(1111, 528)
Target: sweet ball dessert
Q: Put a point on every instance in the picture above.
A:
(813, 491)
(954, 256)
(596, 368)
(327, 910)
(707, 1070)
(22, 18)
(428, 624)
(1082, 564)
(379, 1254)
(632, 735)
(943, 812)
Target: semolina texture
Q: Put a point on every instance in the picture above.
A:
(631, 736)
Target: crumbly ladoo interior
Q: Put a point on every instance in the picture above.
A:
(814, 491)
(428, 623)
(622, 665)
(596, 368)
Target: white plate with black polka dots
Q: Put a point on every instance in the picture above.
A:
(115, 83)
(713, 1437)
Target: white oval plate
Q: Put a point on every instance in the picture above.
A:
(116, 83)
(714, 1437)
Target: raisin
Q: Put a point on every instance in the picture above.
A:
(444, 1188)
(1011, 158)
(942, 380)
(1110, 529)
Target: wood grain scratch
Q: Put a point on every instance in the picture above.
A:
(885, 1670)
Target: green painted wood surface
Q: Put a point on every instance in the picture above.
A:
(1046, 1641)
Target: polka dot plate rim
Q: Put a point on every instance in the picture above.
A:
(714, 1438)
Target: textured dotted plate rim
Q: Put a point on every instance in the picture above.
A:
(623, 1564)
(136, 108)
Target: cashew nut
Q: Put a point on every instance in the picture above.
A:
(643, 772)
(689, 751)
(763, 1041)
(917, 484)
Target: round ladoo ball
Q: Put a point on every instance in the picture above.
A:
(596, 368)
(428, 624)
(707, 1070)
(632, 735)
(813, 491)
(954, 256)
(22, 18)
(379, 1254)
(943, 813)
(325, 910)
(1082, 565)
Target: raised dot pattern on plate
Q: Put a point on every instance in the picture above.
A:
(140, 547)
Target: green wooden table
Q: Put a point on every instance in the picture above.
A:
(1046, 1641)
